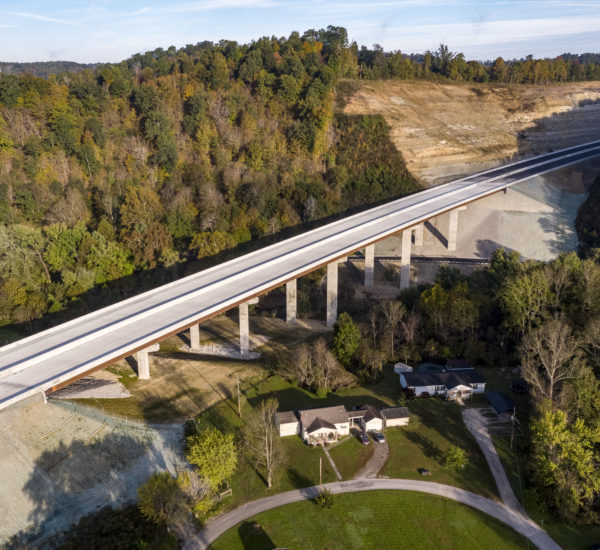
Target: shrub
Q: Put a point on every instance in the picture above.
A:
(324, 499)
(455, 458)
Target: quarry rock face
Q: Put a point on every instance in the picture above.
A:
(450, 130)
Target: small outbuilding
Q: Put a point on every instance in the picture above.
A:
(288, 423)
(402, 367)
(372, 421)
(395, 416)
(500, 402)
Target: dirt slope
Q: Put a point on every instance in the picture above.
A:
(448, 130)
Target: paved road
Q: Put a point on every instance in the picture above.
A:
(477, 425)
(60, 354)
(377, 461)
(514, 519)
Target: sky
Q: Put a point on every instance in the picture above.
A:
(111, 30)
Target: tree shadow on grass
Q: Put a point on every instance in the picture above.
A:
(297, 479)
(254, 537)
(427, 446)
(82, 476)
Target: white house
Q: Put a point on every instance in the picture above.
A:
(451, 385)
(324, 425)
(395, 416)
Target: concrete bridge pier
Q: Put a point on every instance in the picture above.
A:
(195, 336)
(419, 235)
(369, 265)
(332, 293)
(453, 227)
(244, 320)
(291, 300)
(143, 361)
(405, 259)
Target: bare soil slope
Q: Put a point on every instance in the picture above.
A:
(448, 130)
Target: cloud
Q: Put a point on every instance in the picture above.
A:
(213, 5)
(480, 33)
(39, 17)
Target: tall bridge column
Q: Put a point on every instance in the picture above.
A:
(332, 293)
(369, 265)
(453, 227)
(195, 336)
(291, 300)
(143, 361)
(244, 318)
(419, 235)
(244, 329)
(405, 259)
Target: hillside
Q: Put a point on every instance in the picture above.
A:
(447, 130)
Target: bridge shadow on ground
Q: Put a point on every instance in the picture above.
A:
(82, 476)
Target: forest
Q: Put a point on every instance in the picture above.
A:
(120, 177)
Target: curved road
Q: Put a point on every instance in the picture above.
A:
(61, 354)
(512, 518)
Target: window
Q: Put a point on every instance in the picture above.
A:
(440, 388)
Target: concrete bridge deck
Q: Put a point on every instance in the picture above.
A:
(46, 360)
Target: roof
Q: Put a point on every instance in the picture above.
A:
(448, 379)
(464, 378)
(424, 378)
(500, 401)
(359, 413)
(458, 364)
(334, 415)
(287, 417)
(319, 423)
(395, 412)
(371, 413)
(402, 367)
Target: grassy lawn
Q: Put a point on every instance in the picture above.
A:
(351, 455)
(434, 426)
(377, 519)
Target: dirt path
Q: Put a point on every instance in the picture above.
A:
(377, 461)
(519, 522)
(477, 425)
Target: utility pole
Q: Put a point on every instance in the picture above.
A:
(320, 474)
(239, 399)
(512, 431)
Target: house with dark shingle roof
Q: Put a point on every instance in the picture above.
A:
(323, 425)
(451, 385)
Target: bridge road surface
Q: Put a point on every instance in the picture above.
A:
(53, 357)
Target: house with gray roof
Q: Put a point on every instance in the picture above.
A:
(451, 385)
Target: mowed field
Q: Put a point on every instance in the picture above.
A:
(378, 519)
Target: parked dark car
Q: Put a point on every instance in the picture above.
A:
(379, 437)
(363, 438)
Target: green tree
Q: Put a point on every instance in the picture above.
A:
(160, 499)
(214, 454)
(346, 339)
(455, 458)
(565, 464)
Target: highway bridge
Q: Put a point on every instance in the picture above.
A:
(51, 359)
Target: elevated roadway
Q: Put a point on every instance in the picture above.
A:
(56, 356)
